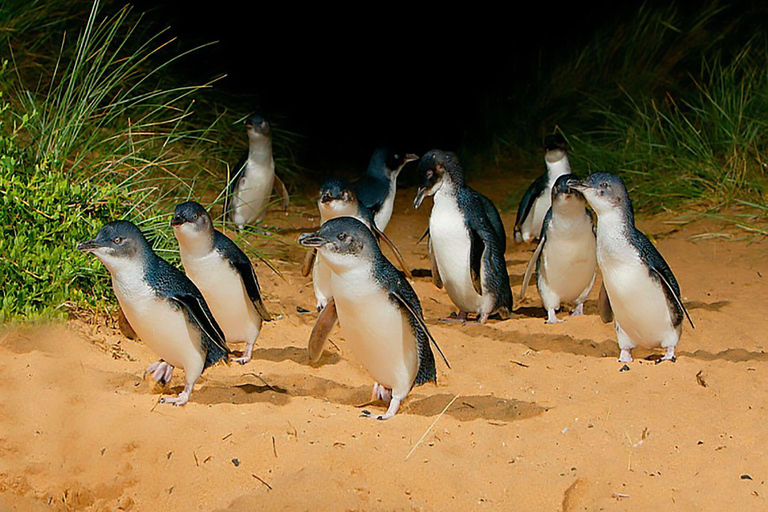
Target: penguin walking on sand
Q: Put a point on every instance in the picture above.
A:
(466, 239)
(377, 188)
(163, 306)
(223, 273)
(253, 178)
(538, 198)
(641, 290)
(380, 315)
(565, 259)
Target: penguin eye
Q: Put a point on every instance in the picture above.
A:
(604, 185)
(117, 240)
(341, 236)
(430, 174)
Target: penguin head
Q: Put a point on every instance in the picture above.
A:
(190, 220)
(388, 162)
(435, 168)
(563, 190)
(396, 160)
(257, 127)
(556, 147)
(605, 192)
(343, 242)
(118, 245)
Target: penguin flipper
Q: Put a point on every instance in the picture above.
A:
(436, 279)
(309, 261)
(213, 339)
(243, 266)
(398, 256)
(604, 305)
(325, 322)
(531, 265)
(529, 198)
(425, 235)
(674, 295)
(476, 250)
(417, 317)
(282, 191)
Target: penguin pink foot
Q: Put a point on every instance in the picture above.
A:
(552, 318)
(161, 371)
(625, 356)
(578, 310)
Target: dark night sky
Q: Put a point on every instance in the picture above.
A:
(349, 79)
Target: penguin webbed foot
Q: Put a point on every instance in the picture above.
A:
(669, 356)
(160, 371)
(394, 405)
(177, 401)
(247, 355)
(625, 356)
(578, 310)
(552, 318)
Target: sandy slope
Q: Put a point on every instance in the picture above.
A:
(544, 420)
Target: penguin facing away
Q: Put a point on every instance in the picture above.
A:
(379, 313)
(338, 199)
(466, 238)
(565, 259)
(377, 188)
(641, 289)
(253, 178)
(163, 306)
(537, 198)
(223, 273)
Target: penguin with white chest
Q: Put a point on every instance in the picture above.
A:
(163, 306)
(338, 199)
(379, 313)
(565, 259)
(377, 188)
(538, 197)
(467, 239)
(253, 178)
(223, 273)
(642, 291)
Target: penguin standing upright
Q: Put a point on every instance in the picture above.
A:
(380, 315)
(467, 239)
(223, 273)
(377, 188)
(163, 306)
(565, 259)
(642, 291)
(537, 198)
(253, 178)
(338, 199)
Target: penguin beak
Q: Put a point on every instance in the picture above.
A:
(177, 220)
(410, 157)
(577, 185)
(312, 240)
(88, 246)
(419, 197)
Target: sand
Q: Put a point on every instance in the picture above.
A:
(544, 420)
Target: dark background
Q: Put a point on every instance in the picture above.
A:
(351, 78)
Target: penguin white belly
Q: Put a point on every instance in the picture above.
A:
(638, 301)
(253, 193)
(385, 213)
(568, 263)
(376, 331)
(532, 224)
(321, 281)
(451, 245)
(225, 293)
(161, 326)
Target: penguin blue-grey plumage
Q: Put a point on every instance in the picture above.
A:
(377, 188)
(223, 273)
(466, 239)
(379, 313)
(642, 291)
(565, 259)
(253, 178)
(338, 199)
(537, 198)
(163, 306)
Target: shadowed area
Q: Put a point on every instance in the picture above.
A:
(473, 407)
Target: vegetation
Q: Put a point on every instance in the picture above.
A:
(103, 134)
(675, 103)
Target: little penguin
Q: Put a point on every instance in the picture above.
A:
(377, 188)
(338, 199)
(565, 259)
(253, 178)
(223, 273)
(642, 291)
(466, 239)
(537, 199)
(163, 306)
(380, 315)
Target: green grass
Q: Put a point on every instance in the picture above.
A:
(98, 132)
